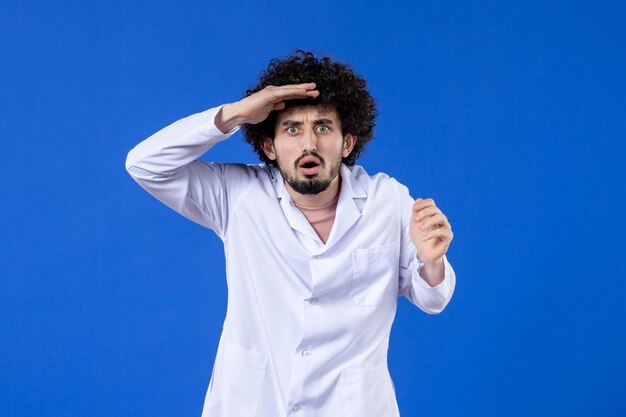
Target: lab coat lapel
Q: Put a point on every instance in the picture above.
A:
(349, 206)
(352, 197)
(348, 211)
(294, 216)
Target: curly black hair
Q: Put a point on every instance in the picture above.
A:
(339, 87)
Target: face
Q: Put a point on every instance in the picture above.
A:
(308, 147)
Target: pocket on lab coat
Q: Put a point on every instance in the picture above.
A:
(236, 383)
(366, 392)
(375, 275)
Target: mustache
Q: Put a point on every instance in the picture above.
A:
(309, 153)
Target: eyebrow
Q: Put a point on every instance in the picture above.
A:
(315, 122)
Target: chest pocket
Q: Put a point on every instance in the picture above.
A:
(236, 383)
(375, 279)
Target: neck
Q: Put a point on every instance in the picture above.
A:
(315, 200)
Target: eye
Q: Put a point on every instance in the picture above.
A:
(292, 129)
(322, 129)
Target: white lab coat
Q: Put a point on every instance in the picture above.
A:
(307, 324)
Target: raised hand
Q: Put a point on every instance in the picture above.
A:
(256, 107)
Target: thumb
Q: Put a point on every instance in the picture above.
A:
(279, 106)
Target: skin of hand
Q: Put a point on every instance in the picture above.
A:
(256, 107)
(431, 234)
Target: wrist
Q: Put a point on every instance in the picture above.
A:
(437, 263)
(228, 118)
(433, 272)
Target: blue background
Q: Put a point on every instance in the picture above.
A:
(511, 115)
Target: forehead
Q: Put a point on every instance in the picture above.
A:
(304, 113)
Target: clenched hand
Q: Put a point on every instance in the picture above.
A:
(430, 231)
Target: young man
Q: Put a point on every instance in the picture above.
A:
(317, 250)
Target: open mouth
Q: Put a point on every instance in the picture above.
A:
(309, 165)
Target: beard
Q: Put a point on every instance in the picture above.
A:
(311, 184)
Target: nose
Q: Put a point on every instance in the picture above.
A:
(309, 140)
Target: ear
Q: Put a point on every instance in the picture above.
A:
(268, 147)
(349, 140)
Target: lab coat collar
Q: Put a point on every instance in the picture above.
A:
(348, 211)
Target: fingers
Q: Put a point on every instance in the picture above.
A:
(438, 220)
(306, 86)
(433, 223)
(421, 203)
(442, 233)
(292, 91)
(291, 87)
(426, 212)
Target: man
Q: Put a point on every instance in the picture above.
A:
(317, 251)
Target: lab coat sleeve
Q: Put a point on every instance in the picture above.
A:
(432, 300)
(166, 165)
